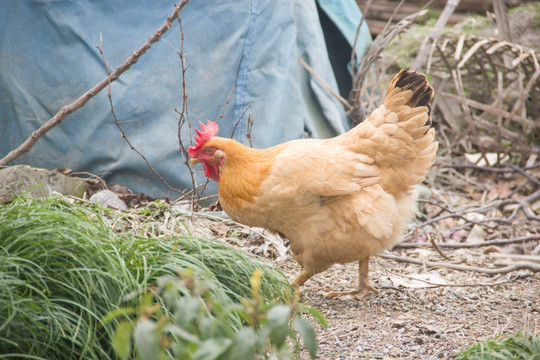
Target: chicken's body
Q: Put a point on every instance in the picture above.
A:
(337, 200)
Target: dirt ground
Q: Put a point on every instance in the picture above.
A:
(419, 313)
(417, 320)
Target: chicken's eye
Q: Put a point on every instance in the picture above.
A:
(209, 151)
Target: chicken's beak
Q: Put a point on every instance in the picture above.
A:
(194, 161)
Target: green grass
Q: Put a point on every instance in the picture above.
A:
(532, 9)
(522, 346)
(63, 269)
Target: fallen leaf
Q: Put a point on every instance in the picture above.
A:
(499, 191)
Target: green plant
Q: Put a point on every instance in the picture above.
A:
(63, 269)
(180, 319)
(58, 277)
(522, 346)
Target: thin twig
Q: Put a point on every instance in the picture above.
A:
(435, 285)
(502, 270)
(117, 123)
(222, 115)
(492, 110)
(365, 11)
(81, 101)
(183, 119)
(469, 245)
(434, 34)
(371, 55)
(249, 127)
(436, 247)
(325, 84)
(196, 191)
(240, 118)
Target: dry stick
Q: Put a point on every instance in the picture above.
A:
(432, 241)
(461, 215)
(374, 50)
(81, 101)
(249, 127)
(183, 118)
(435, 285)
(434, 34)
(492, 110)
(489, 168)
(117, 123)
(389, 22)
(503, 270)
(183, 115)
(325, 84)
(408, 245)
(222, 115)
(524, 173)
(240, 118)
(502, 19)
(523, 205)
(365, 11)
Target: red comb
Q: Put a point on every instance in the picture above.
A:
(207, 132)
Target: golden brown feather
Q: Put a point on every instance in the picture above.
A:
(337, 200)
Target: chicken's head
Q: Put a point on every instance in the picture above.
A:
(210, 156)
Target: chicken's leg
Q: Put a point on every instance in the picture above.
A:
(301, 279)
(363, 282)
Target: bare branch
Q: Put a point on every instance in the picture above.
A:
(324, 84)
(240, 118)
(117, 123)
(469, 245)
(81, 101)
(365, 11)
(434, 34)
(227, 103)
(492, 110)
(502, 270)
(249, 127)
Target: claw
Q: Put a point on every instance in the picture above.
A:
(357, 294)
(364, 288)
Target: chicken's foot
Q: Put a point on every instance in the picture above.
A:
(364, 287)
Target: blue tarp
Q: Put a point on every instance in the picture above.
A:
(49, 57)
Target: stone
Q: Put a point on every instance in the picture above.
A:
(40, 183)
(108, 198)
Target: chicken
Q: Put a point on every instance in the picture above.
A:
(337, 200)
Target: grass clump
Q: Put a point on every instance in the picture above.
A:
(63, 271)
(522, 346)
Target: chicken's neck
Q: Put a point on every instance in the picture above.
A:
(242, 172)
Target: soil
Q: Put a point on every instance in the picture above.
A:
(419, 313)
(429, 322)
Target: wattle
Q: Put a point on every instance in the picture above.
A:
(211, 172)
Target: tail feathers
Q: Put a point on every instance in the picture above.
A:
(410, 89)
(410, 147)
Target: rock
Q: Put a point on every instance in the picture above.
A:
(385, 283)
(477, 234)
(399, 323)
(514, 249)
(108, 198)
(19, 179)
(182, 208)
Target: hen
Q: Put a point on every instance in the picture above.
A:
(337, 200)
